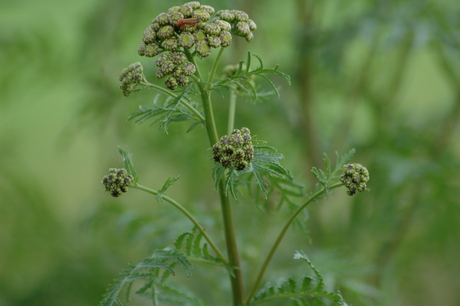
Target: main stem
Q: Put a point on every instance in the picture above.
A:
(236, 278)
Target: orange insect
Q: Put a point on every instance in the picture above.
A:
(191, 21)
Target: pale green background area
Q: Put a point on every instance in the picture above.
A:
(62, 116)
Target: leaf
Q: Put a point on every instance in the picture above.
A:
(329, 176)
(306, 290)
(147, 270)
(171, 111)
(128, 162)
(243, 75)
(193, 246)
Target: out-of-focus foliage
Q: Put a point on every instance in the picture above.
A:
(379, 76)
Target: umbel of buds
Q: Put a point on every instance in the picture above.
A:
(355, 177)
(116, 181)
(188, 30)
(235, 150)
(130, 77)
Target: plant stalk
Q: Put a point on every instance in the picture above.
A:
(282, 234)
(188, 215)
(236, 278)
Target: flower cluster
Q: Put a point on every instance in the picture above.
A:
(355, 178)
(130, 77)
(241, 25)
(187, 30)
(117, 181)
(235, 150)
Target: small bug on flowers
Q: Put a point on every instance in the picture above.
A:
(190, 21)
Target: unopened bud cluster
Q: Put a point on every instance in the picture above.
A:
(116, 181)
(355, 178)
(130, 77)
(235, 150)
(189, 29)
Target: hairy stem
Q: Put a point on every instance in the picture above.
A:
(280, 237)
(187, 214)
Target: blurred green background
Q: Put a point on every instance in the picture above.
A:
(379, 76)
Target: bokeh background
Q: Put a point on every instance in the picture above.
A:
(380, 76)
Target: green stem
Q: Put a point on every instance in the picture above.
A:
(231, 112)
(214, 66)
(236, 278)
(188, 215)
(173, 95)
(281, 236)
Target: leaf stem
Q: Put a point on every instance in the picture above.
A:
(231, 112)
(187, 214)
(173, 95)
(214, 66)
(283, 232)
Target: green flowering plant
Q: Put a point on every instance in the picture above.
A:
(176, 40)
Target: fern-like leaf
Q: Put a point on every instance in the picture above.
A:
(307, 290)
(149, 270)
(241, 80)
(171, 111)
(331, 175)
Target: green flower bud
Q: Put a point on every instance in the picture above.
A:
(201, 14)
(193, 4)
(188, 69)
(225, 39)
(162, 19)
(223, 25)
(226, 162)
(212, 29)
(187, 9)
(167, 67)
(236, 139)
(155, 25)
(175, 17)
(182, 80)
(177, 72)
(214, 41)
(165, 32)
(228, 150)
(160, 74)
(170, 44)
(240, 15)
(186, 40)
(243, 28)
(252, 25)
(203, 48)
(149, 35)
(173, 9)
(163, 57)
(226, 15)
(178, 57)
(238, 155)
(200, 36)
(171, 82)
(151, 50)
(207, 8)
(240, 165)
(249, 37)
(225, 140)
